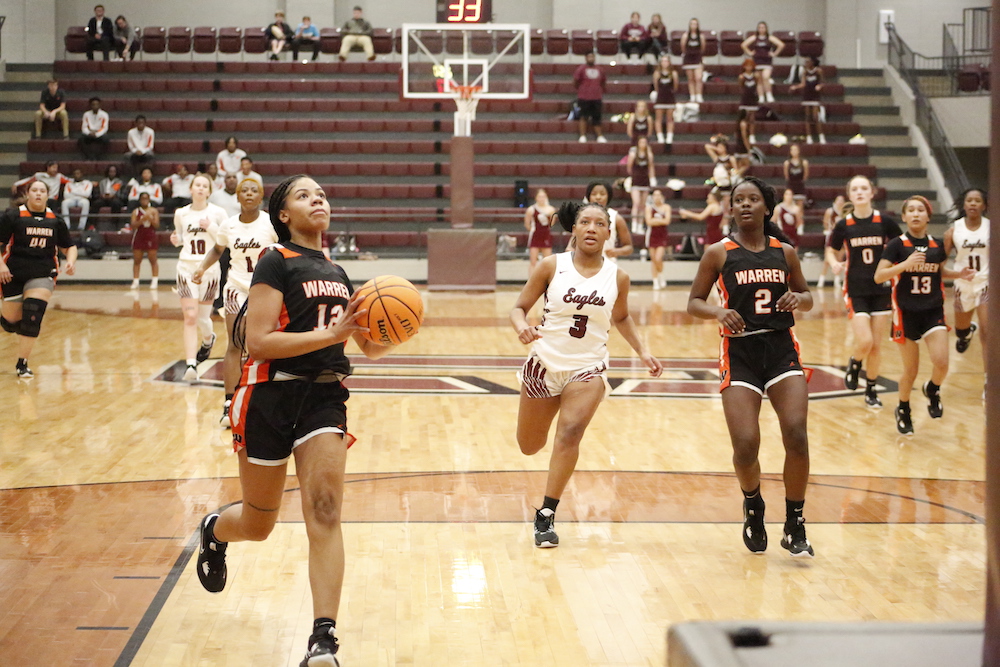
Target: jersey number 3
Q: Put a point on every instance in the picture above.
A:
(579, 328)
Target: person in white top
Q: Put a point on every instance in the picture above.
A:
(970, 237)
(228, 160)
(246, 171)
(51, 177)
(177, 186)
(600, 193)
(144, 183)
(227, 198)
(196, 228)
(141, 142)
(218, 180)
(245, 235)
(94, 139)
(77, 195)
(585, 294)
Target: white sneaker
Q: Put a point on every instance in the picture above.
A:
(656, 283)
(154, 283)
(770, 97)
(760, 99)
(602, 139)
(135, 284)
(809, 139)
(753, 138)
(582, 139)
(670, 137)
(821, 282)
(822, 139)
(226, 422)
(659, 137)
(191, 373)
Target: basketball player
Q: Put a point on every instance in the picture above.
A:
(538, 221)
(196, 227)
(761, 283)
(863, 233)
(145, 223)
(970, 237)
(291, 402)
(642, 170)
(812, 84)
(665, 83)
(761, 48)
(565, 372)
(245, 235)
(31, 236)
(749, 84)
(657, 222)
(692, 47)
(915, 263)
(639, 123)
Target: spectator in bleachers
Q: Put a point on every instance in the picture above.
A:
(141, 142)
(94, 140)
(100, 34)
(634, 38)
(357, 32)
(658, 215)
(109, 191)
(177, 188)
(742, 144)
(659, 38)
(590, 82)
(811, 85)
(53, 181)
(226, 197)
(76, 194)
(52, 107)
(665, 83)
(830, 217)
(749, 84)
(144, 183)
(229, 158)
(762, 46)
(796, 170)
(692, 47)
(278, 34)
(724, 167)
(789, 217)
(712, 215)
(246, 171)
(642, 172)
(306, 36)
(639, 123)
(145, 223)
(218, 180)
(125, 39)
(538, 220)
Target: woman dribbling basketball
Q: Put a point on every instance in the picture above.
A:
(585, 294)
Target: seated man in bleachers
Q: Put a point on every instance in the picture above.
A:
(52, 179)
(177, 188)
(76, 194)
(634, 38)
(144, 183)
(125, 39)
(226, 197)
(100, 34)
(94, 139)
(52, 107)
(218, 180)
(306, 36)
(357, 32)
(246, 171)
(141, 142)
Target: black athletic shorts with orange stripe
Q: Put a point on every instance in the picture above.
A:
(759, 360)
(868, 304)
(271, 419)
(915, 324)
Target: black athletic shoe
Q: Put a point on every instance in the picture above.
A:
(754, 535)
(205, 350)
(795, 540)
(226, 422)
(962, 344)
(904, 422)
(22, 370)
(852, 375)
(871, 398)
(211, 558)
(322, 650)
(934, 406)
(545, 534)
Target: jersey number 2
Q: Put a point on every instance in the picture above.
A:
(322, 320)
(579, 328)
(762, 301)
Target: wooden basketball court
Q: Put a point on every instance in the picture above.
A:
(106, 466)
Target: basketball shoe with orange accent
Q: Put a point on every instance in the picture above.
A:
(545, 534)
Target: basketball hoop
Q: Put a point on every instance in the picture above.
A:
(466, 99)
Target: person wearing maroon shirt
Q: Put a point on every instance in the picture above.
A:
(634, 38)
(590, 82)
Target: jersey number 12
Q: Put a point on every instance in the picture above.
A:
(325, 321)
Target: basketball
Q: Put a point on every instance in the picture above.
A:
(394, 310)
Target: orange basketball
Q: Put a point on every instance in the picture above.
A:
(395, 310)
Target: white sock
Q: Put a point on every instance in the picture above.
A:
(670, 137)
(135, 283)
(659, 137)
(192, 362)
(153, 283)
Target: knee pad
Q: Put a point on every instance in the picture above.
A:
(32, 313)
(8, 326)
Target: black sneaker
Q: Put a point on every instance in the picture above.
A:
(22, 370)
(545, 534)
(211, 558)
(226, 422)
(795, 540)
(205, 350)
(322, 650)
(871, 398)
(934, 406)
(754, 535)
(962, 344)
(852, 375)
(904, 422)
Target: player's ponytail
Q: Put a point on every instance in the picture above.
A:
(277, 204)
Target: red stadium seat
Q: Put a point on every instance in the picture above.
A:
(675, 42)
(607, 42)
(557, 42)
(583, 42)
(970, 78)
(75, 40)
(788, 39)
(433, 41)
(254, 40)
(205, 39)
(179, 39)
(537, 42)
(170, 85)
(382, 40)
(711, 43)
(154, 39)
(810, 44)
(230, 40)
(731, 43)
(330, 40)
(481, 43)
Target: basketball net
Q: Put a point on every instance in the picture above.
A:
(466, 99)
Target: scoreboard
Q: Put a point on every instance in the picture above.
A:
(457, 12)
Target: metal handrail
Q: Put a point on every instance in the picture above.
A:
(903, 58)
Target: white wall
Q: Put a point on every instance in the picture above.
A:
(29, 32)
(966, 120)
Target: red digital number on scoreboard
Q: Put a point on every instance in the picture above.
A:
(466, 11)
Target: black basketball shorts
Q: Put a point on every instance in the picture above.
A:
(759, 360)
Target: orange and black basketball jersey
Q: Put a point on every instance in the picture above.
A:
(920, 288)
(31, 242)
(752, 282)
(315, 293)
(864, 239)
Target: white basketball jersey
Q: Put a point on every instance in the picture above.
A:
(973, 249)
(245, 240)
(612, 241)
(577, 317)
(195, 240)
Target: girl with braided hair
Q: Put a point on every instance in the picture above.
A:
(585, 293)
(761, 284)
(290, 401)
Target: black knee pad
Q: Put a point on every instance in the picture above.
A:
(32, 313)
(8, 326)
